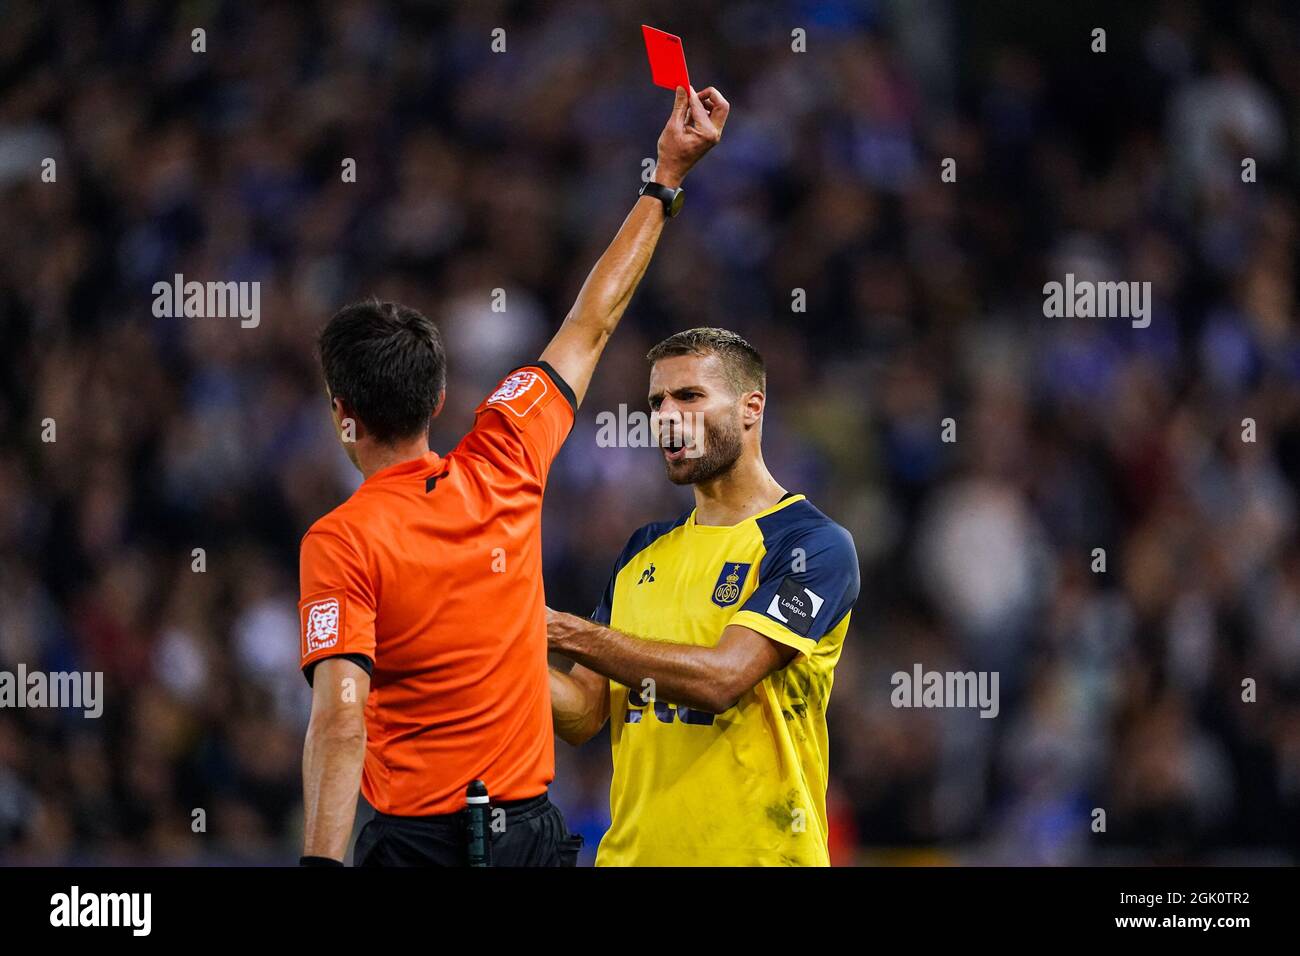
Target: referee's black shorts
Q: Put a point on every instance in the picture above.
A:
(533, 834)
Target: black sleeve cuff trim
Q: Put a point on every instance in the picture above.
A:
(565, 389)
(361, 660)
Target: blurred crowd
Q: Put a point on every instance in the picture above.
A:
(1163, 690)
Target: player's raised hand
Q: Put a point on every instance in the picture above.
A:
(694, 127)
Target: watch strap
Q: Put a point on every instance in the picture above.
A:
(671, 198)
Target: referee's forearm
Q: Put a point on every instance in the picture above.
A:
(683, 674)
(580, 340)
(613, 279)
(333, 754)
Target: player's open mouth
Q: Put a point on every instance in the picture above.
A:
(674, 449)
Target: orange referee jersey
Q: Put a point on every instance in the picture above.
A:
(432, 571)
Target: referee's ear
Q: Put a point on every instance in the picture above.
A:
(347, 425)
(341, 412)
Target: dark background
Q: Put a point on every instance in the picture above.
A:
(480, 171)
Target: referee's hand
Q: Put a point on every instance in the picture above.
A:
(693, 128)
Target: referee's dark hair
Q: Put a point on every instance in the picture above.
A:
(744, 367)
(387, 364)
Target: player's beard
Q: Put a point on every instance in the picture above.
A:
(723, 445)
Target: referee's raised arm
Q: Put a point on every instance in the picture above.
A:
(694, 128)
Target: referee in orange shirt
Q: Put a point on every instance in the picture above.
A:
(423, 620)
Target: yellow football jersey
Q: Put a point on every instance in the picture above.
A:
(746, 787)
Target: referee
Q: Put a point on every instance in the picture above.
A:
(422, 615)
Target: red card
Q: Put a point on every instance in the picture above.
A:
(667, 58)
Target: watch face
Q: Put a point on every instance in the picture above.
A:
(677, 202)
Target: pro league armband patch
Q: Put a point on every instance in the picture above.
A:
(795, 606)
(520, 392)
(322, 623)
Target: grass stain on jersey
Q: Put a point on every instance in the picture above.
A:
(782, 815)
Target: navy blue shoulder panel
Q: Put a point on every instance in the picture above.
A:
(641, 539)
(808, 579)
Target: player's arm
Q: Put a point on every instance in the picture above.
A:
(710, 679)
(332, 756)
(694, 127)
(579, 703)
(808, 581)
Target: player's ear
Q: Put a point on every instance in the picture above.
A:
(753, 407)
(437, 404)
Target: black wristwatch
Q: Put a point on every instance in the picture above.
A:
(671, 198)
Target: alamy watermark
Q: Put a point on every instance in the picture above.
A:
(83, 690)
(133, 911)
(955, 689)
(1085, 299)
(637, 429)
(208, 300)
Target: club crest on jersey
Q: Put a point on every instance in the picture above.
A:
(321, 625)
(519, 392)
(731, 579)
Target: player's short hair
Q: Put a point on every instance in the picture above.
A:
(387, 362)
(744, 367)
